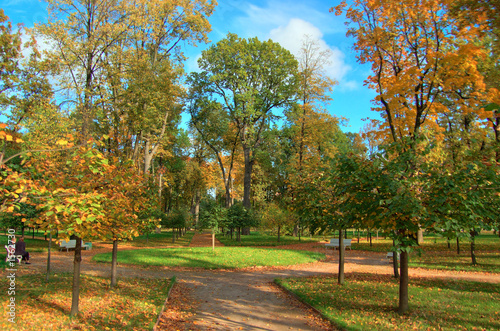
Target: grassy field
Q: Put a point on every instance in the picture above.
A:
(435, 253)
(161, 239)
(264, 239)
(133, 305)
(203, 257)
(369, 302)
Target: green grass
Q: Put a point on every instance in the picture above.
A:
(484, 242)
(369, 302)
(133, 305)
(160, 239)
(203, 257)
(264, 239)
(487, 261)
(435, 253)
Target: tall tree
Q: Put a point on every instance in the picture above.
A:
(250, 78)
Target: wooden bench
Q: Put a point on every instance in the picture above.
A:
(10, 253)
(336, 243)
(72, 244)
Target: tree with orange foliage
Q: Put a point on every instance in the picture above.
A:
(422, 57)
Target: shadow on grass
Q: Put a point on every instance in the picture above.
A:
(221, 258)
(433, 303)
(133, 304)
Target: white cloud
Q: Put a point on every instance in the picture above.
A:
(291, 37)
(259, 20)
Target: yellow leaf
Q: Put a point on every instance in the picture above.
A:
(62, 142)
(8, 137)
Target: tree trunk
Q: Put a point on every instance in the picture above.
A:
(173, 235)
(370, 235)
(238, 235)
(473, 247)
(114, 263)
(279, 229)
(213, 240)
(48, 257)
(76, 277)
(341, 258)
(449, 244)
(358, 236)
(395, 262)
(420, 236)
(247, 179)
(458, 246)
(403, 284)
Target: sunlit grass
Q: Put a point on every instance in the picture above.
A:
(221, 258)
(264, 239)
(369, 302)
(133, 305)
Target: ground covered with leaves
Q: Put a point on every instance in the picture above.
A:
(368, 301)
(133, 305)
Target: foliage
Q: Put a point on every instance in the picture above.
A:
(239, 76)
(240, 217)
(204, 257)
(274, 218)
(45, 306)
(176, 219)
(421, 58)
(213, 217)
(367, 301)
(85, 195)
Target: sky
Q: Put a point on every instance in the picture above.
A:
(283, 21)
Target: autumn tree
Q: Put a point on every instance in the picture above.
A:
(24, 87)
(420, 56)
(249, 79)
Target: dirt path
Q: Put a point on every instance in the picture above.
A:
(243, 299)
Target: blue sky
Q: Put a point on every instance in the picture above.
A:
(285, 22)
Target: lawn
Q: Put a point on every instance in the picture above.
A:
(203, 257)
(133, 305)
(264, 239)
(435, 253)
(160, 239)
(369, 302)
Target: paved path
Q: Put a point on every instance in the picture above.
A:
(245, 299)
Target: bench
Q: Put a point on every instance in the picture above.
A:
(10, 253)
(336, 243)
(72, 244)
(390, 255)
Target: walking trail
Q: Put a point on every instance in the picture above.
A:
(244, 299)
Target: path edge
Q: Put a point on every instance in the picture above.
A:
(295, 296)
(173, 280)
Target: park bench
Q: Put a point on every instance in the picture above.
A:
(390, 255)
(72, 244)
(10, 253)
(336, 243)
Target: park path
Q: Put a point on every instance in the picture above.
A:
(243, 299)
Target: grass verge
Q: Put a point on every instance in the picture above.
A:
(203, 257)
(369, 302)
(133, 305)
